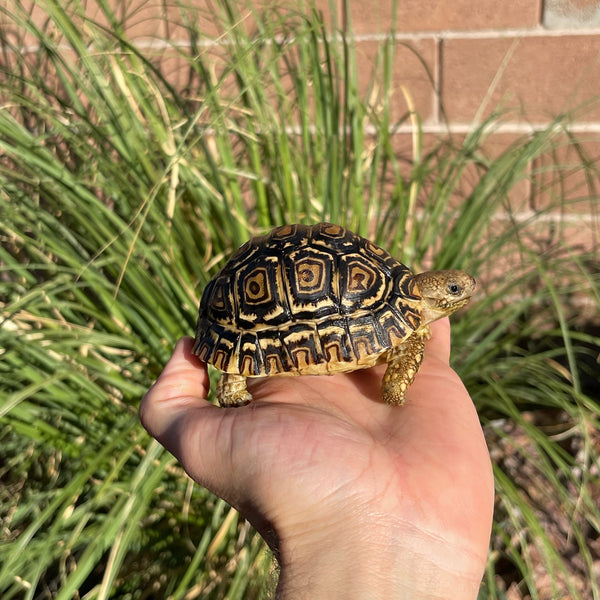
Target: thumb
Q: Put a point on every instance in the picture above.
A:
(439, 345)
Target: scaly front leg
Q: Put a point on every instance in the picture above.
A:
(403, 363)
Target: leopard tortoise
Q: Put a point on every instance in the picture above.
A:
(314, 300)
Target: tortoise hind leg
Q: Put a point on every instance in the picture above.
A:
(232, 390)
(403, 363)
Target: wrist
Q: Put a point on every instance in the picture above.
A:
(380, 563)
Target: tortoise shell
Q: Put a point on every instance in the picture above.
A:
(306, 300)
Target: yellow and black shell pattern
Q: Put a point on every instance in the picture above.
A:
(306, 300)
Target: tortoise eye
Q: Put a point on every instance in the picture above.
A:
(454, 289)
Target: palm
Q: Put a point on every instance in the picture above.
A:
(311, 448)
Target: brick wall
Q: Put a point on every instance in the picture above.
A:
(534, 59)
(544, 58)
(537, 58)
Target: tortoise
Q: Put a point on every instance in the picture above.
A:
(314, 300)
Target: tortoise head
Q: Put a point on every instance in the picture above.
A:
(443, 292)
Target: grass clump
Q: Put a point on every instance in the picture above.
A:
(122, 191)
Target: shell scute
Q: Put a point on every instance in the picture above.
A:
(335, 341)
(303, 347)
(310, 285)
(367, 339)
(362, 283)
(257, 294)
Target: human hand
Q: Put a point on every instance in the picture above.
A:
(357, 499)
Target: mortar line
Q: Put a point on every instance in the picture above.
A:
(484, 34)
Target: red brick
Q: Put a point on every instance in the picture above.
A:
(412, 69)
(467, 176)
(470, 171)
(174, 66)
(555, 183)
(271, 12)
(157, 21)
(406, 154)
(545, 76)
(567, 176)
(27, 10)
(493, 148)
(373, 16)
(208, 17)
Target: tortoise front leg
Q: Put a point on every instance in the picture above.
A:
(403, 363)
(232, 390)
